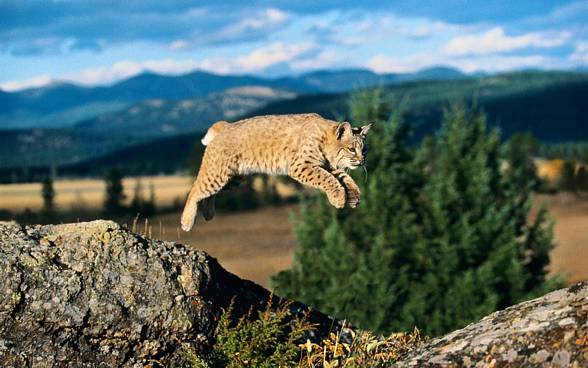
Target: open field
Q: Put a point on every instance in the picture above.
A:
(570, 257)
(258, 244)
(253, 245)
(89, 193)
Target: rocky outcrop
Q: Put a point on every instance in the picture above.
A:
(551, 331)
(97, 295)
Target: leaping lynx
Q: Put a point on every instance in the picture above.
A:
(310, 149)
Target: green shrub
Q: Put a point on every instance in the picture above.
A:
(270, 340)
(275, 339)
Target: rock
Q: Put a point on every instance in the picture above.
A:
(97, 295)
(551, 331)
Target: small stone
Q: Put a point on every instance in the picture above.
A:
(567, 322)
(510, 356)
(561, 359)
(540, 356)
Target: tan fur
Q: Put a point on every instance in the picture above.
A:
(310, 149)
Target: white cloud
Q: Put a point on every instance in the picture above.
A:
(496, 41)
(267, 18)
(179, 45)
(272, 54)
(492, 63)
(171, 66)
(381, 63)
(501, 63)
(217, 65)
(387, 25)
(256, 60)
(250, 27)
(580, 54)
(38, 81)
(129, 68)
(107, 74)
(322, 60)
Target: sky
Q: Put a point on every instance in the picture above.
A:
(92, 43)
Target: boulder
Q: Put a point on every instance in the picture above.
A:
(550, 331)
(95, 294)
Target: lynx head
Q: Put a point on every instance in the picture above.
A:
(350, 147)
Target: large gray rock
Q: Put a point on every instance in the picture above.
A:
(551, 331)
(96, 295)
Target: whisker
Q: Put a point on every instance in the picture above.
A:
(366, 174)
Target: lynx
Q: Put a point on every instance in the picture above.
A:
(310, 149)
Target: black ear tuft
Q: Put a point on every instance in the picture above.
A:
(342, 128)
(365, 129)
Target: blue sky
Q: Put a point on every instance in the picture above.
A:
(101, 42)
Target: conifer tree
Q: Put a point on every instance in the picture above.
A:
(48, 194)
(440, 239)
(137, 202)
(114, 195)
(344, 263)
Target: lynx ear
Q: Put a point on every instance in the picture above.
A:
(342, 128)
(365, 129)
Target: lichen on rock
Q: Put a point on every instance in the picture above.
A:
(551, 331)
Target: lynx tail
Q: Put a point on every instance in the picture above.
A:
(213, 131)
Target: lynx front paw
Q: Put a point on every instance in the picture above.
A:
(337, 198)
(353, 197)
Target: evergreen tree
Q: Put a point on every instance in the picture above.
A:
(48, 194)
(567, 180)
(150, 207)
(440, 239)
(344, 263)
(114, 195)
(520, 152)
(582, 178)
(137, 202)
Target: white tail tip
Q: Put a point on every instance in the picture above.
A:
(208, 137)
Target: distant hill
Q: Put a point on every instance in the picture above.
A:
(145, 121)
(164, 156)
(52, 106)
(159, 118)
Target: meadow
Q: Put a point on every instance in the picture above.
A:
(257, 244)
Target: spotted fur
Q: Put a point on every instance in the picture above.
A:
(310, 149)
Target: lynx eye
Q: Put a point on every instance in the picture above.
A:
(352, 150)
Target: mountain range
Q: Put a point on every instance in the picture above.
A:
(64, 104)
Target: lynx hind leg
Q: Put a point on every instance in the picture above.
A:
(320, 178)
(207, 205)
(352, 190)
(210, 181)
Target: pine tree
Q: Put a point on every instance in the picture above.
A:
(582, 178)
(567, 180)
(114, 195)
(48, 194)
(440, 239)
(137, 202)
(344, 264)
